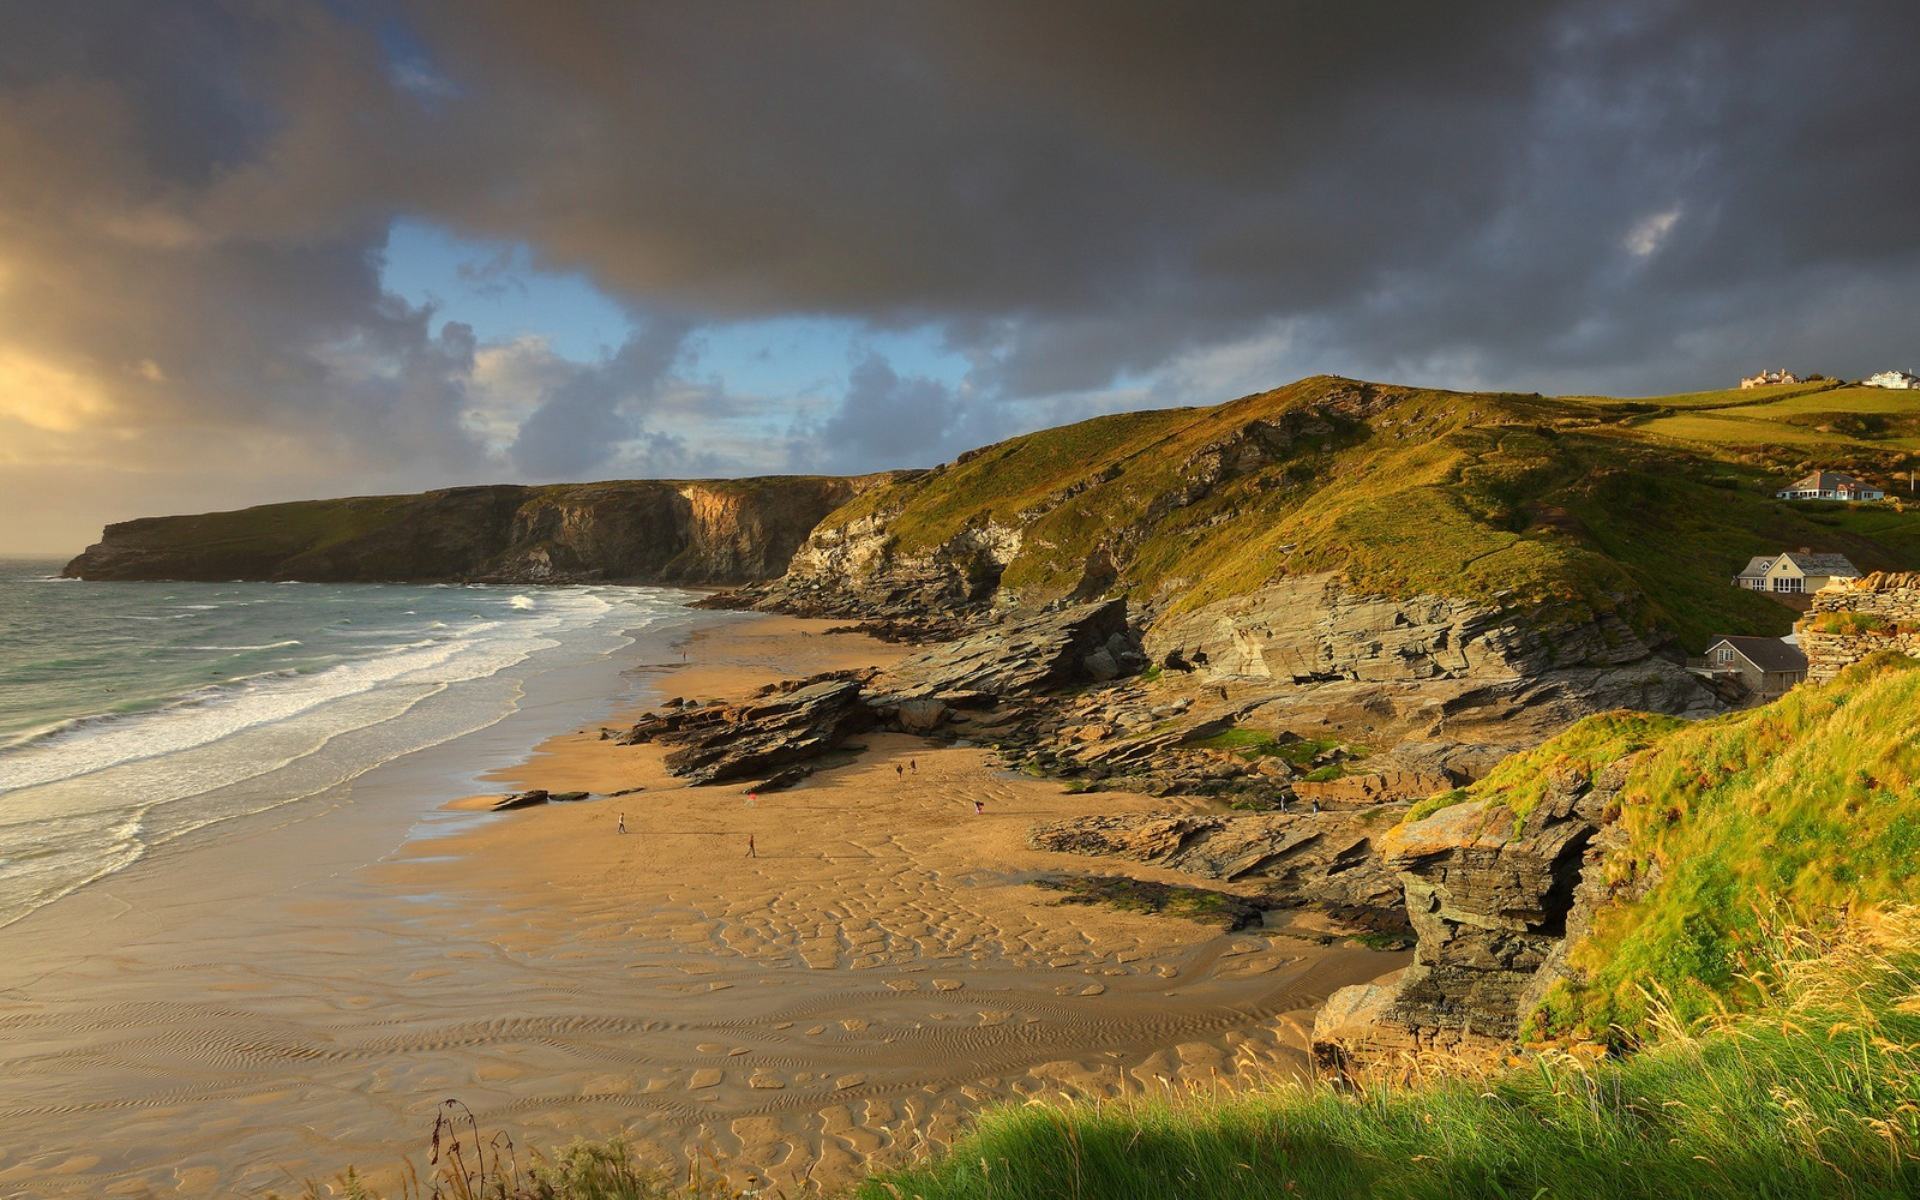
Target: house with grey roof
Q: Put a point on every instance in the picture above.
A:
(1794, 573)
(1830, 485)
(1769, 667)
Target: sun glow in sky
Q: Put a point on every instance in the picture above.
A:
(259, 253)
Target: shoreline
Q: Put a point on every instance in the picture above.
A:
(878, 971)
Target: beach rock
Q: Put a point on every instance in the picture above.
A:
(521, 800)
(1322, 859)
(568, 797)
(921, 716)
(787, 723)
(779, 781)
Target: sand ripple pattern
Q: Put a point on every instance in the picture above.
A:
(848, 996)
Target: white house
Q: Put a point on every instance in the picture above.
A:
(1830, 485)
(1794, 573)
(1892, 379)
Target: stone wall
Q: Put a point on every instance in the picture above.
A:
(1890, 602)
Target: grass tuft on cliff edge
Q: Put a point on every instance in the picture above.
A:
(1807, 806)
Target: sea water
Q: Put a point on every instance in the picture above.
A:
(135, 714)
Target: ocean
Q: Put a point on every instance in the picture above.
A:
(135, 714)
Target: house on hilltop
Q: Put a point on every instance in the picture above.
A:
(1769, 378)
(1795, 573)
(1769, 667)
(1892, 379)
(1830, 485)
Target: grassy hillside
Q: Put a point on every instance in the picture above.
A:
(1521, 500)
(1795, 811)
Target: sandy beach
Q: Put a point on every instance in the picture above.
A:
(268, 1009)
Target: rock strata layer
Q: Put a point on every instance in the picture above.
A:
(1493, 899)
(1325, 858)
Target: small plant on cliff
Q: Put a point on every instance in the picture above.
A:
(1852, 624)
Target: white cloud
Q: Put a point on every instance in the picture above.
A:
(1651, 233)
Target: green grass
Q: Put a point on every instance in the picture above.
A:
(1808, 804)
(1814, 1094)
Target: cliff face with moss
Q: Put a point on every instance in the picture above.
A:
(1634, 866)
(720, 532)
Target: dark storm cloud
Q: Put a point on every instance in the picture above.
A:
(1109, 185)
(1096, 202)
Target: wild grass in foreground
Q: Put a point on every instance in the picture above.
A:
(1814, 1094)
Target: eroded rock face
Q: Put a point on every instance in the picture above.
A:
(1459, 661)
(1299, 857)
(786, 724)
(857, 570)
(1034, 653)
(1492, 905)
(793, 721)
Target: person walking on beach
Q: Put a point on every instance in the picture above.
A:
(979, 808)
(750, 850)
(899, 770)
(622, 826)
(913, 766)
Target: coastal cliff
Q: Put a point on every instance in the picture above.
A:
(716, 532)
(1626, 872)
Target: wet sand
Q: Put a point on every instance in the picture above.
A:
(268, 1009)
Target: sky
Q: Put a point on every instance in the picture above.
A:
(259, 250)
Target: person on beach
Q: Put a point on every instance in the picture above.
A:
(979, 808)
(898, 769)
(622, 826)
(913, 766)
(751, 853)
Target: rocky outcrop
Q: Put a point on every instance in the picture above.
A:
(1493, 897)
(719, 532)
(1428, 665)
(794, 721)
(857, 569)
(1325, 858)
(1025, 655)
(786, 723)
